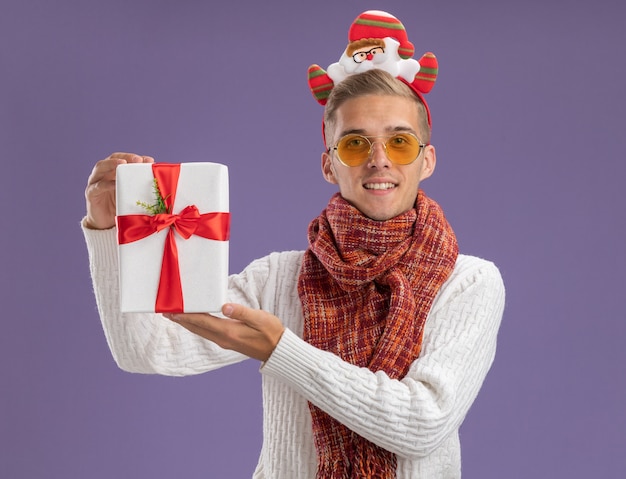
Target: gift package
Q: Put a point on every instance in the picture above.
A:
(173, 226)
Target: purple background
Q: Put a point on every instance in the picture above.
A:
(529, 127)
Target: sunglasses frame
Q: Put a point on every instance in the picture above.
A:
(372, 143)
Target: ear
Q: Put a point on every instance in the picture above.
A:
(429, 162)
(327, 168)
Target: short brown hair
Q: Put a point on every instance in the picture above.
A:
(372, 82)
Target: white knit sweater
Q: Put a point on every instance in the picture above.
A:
(417, 417)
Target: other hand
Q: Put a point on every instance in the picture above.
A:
(252, 332)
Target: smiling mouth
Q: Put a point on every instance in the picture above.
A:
(379, 186)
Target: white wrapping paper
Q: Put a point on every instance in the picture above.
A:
(203, 263)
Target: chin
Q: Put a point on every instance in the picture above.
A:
(380, 215)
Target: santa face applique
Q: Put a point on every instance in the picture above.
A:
(364, 55)
(370, 53)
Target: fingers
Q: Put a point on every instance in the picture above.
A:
(100, 190)
(131, 157)
(202, 321)
(205, 325)
(236, 312)
(103, 174)
(105, 169)
(252, 332)
(225, 332)
(248, 316)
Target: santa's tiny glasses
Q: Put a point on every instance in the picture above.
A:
(360, 57)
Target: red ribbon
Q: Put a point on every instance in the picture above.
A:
(214, 226)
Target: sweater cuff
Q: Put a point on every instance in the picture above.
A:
(294, 361)
(102, 246)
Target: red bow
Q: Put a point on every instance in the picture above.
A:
(214, 226)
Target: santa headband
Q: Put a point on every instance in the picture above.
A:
(377, 40)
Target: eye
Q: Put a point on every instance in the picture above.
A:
(400, 141)
(355, 143)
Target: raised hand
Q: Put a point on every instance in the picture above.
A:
(100, 190)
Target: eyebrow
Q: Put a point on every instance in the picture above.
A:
(361, 131)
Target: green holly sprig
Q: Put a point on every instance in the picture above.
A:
(159, 206)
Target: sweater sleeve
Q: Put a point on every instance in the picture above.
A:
(148, 342)
(412, 416)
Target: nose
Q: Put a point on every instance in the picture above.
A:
(370, 56)
(378, 156)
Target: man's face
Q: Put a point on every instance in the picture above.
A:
(379, 188)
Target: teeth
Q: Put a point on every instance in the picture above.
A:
(379, 186)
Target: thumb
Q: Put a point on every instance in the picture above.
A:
(240, 312)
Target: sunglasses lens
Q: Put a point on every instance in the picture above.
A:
(402, 148)
(353, 150)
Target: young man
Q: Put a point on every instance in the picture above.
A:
(375, 341)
